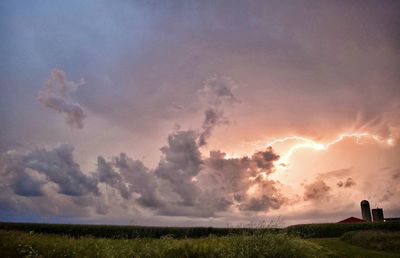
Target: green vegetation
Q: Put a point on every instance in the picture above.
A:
(52, 240)
(21, 244)
(128, 232)
(339, 248)
(378, 240)
(337, 230)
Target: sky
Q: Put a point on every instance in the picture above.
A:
(207, 113)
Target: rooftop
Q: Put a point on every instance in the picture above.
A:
(352, 220)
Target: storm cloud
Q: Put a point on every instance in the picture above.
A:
(55, 96)
(56, 165)
(183, 183)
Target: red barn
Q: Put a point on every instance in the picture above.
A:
(352, 220)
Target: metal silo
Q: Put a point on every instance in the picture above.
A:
(366, 211)
(377, 214)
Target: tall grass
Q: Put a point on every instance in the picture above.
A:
(21, 244)
(377, 240)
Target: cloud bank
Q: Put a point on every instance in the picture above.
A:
(184, 183)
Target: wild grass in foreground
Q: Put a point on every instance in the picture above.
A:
(377, 240)
(20, 244)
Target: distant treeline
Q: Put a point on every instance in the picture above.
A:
(114, 231)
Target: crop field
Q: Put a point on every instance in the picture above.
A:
(128, 232)
(51, 240)
(18, 244)
(374, 240)
(337, 230)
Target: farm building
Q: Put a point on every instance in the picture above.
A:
(352, 220)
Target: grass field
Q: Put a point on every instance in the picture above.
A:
(378, 240)
(126, 232)
(339, 248)
(21, 244)
(46, 240)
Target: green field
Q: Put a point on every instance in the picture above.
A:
(128, 232)
(21, 244)
(48, 240)
(337, 230)
(339, 248)
(373, 240)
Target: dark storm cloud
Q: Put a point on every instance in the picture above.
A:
(264, 159)
(183, 184)
(317, 190)
(219, 184)
(57, 165)
(231, 179)
(180, 162)
(139, 179)
(106, 174)
(48, 181)
(128, 176)
(170, 188)
(28, 186)
(19, 178)
(55, 95)
(260, 204)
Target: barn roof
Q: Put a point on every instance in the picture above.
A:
(352, 220)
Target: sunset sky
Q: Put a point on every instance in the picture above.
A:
(209, 113)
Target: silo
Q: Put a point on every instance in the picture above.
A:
(377, 215)
(365, 211)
